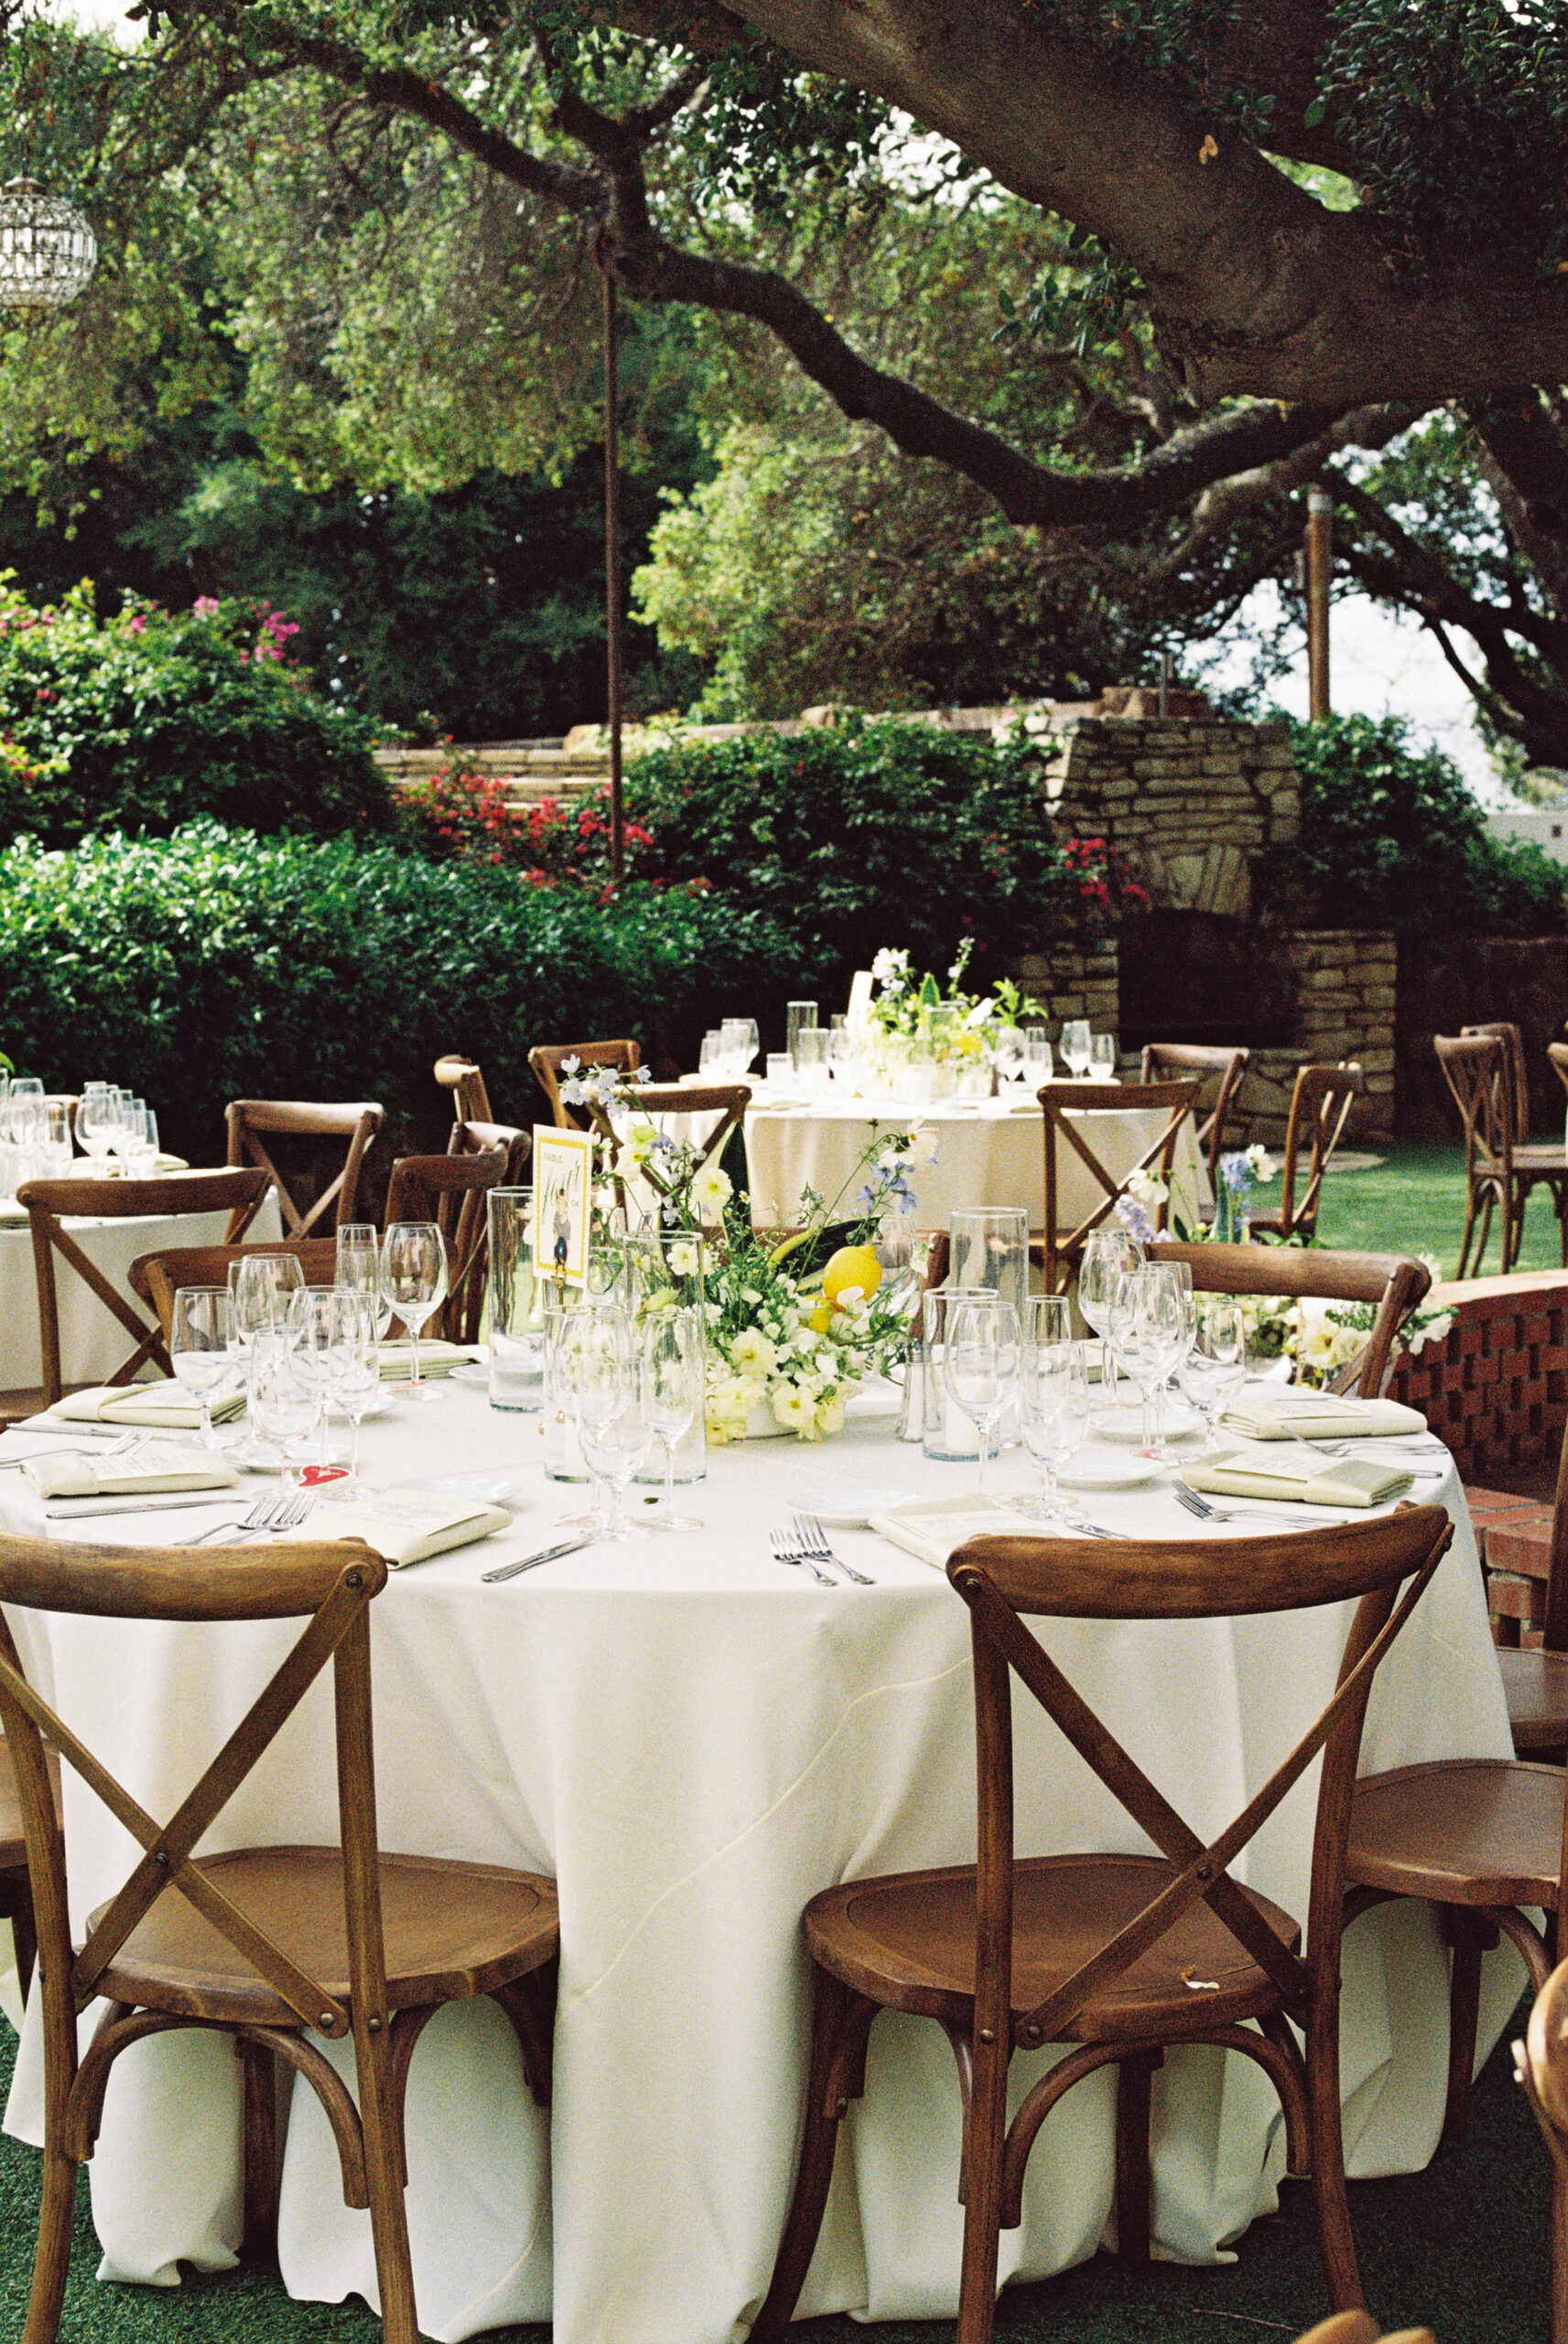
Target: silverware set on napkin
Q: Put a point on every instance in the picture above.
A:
(807, 1544)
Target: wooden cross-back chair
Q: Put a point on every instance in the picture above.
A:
(253, 1122)
(1541, 2062)
(725, 1101)
(1320, 1108)
(548, 1059)
(471, 1099)
(483, 1138)
(1061, 1249)
(1391, 1285)
(1532, 1164)
(1360, 2328)
(451, 1191)
(157, 1277)
(1105, 1952)
(264, 1944)
(1499, 1173)
(239, 1193)
(1177, 1061)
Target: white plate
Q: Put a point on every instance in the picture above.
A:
(1107, 1468)
(381, 1399)
(1127, 1424)
(844, 1505)
(495, 1489)
(470, 1372)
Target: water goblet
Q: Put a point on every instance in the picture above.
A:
(980, 1362)
(1102, 1057)
(282, 1404)
(1111, 1253)
(672, 1386)
(1076, 1046)
(198, 1349)
(1055, 1411)
(414, 1287)
(1215, 1368)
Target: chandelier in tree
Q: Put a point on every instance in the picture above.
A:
(48, 252)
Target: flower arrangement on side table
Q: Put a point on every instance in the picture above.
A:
(960, 1029)
(795, 1318)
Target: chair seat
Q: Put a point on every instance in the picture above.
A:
(1482, 1832)
(1535, 1686)
(1542, 1160)
(450, 1929)
(907, 1940)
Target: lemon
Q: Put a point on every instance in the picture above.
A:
(852, 1265)
(821, 1318)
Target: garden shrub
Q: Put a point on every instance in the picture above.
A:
(149, 719)
(1391, 837)
(215, 965)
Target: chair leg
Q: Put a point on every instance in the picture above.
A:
(1470, 1934)
(984, 2137)
(1336, 2239)
(840, 2021)
(258, 2069)
(1133, 2181)
(384, 2178)
(52, 2263)
(1559, 2255)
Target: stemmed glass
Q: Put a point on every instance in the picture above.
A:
(282, 1403)
(95, 1119)
(1148, 1333)
(1111, 1252)
(414, 1285)
(1075, 1045)
(1038, 1063)
(198, 1349)
(354, 1363)
(1102, 1057)
(672, 1393)
(1215, 1368)
(1056, 1399)
(357, 1267)
(260, 1287)
(612, 1414)
(980, 1362)
(320, 1321)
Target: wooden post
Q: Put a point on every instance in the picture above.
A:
(613, 576)
(1319, 570)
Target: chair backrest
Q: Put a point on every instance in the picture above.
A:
(1063, 1102)
(1320, 1108)
(1474, 1067)
(451, 1191)
(482, 1139)
(548, 1059)
(328, 1587)
(725, 1101)
(1557, 1053)
(1005, 1580)
(238, 1193)
(1518, 1078)
(1226, 1070)
(1389, 1284)
(252, 1122)
(157, 1277)
(471, 1099)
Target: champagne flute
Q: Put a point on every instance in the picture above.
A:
(198, 1349)
(672, 1372)
(414, 1285)
(980, 1364)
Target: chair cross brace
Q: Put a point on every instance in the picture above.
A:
(149, 1339)
(1059, 1115)
(1202, 1875)
(296, 1224)
(167, 1862)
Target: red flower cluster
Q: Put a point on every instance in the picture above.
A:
(1098, 873)
(548, 844)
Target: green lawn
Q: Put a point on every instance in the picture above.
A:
(1414, 1203)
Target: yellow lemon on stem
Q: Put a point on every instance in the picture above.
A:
(821, 1318)
(851, 1265)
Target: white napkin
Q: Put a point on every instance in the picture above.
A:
(935, 1529)
(435, 1359)
(1281, 1413)
(403, 1525)
(163, 1404)
(138, 1472)
(1257, 1472)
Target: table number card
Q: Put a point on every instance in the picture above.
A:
(563, 1187)
(860, 1000)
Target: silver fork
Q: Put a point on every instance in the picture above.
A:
(121, 1448)
(267, 1514)
(813, 1545)
(1207, 1513)
(784, 1552)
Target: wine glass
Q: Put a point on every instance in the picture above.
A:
(1076, 1046)
(283, 1404)
(1215, 1368)
(980, 1363)
(357, 1267)
(56, 1151)
(140, 1147)
(96, 1116)
(673, 1373)
(1148, 1332)
(1102, 1057)
(198, 1349)
(1007, 1052)
(612, 1420)
(414, 1285)
(1055, 1411)
(260, 1287)
(1111, 1253)
(354, 1362)
(1038, 1063)
(321, 1321)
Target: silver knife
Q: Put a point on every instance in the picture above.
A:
(72, 1511)
(530, 1562)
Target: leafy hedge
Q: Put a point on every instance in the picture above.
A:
(1391, 837)
(215, 965)
(149, 719)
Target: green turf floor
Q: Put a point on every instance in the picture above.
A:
(1461, 2247)
(1414, 1203)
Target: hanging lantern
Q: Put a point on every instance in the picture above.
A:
(48, 252)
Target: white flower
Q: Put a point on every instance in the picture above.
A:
(681, 1259)
(711, 1188)
(1260, 1163)
(890, 971)
(980, 1013)
(830, 1415)
(639, 1141)
(751, 1349)
(1146, 1189)
(795, 1410)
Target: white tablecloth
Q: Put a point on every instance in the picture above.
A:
(92, 1344)
(693, 1740)
(988, 1152)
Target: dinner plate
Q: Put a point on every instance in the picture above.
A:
(844, 1505)
(471, 1371)
(1127, 1424)
(1107, 1468)
(495, 1489)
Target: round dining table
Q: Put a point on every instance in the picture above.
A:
(981, 1152)
(694, 1739)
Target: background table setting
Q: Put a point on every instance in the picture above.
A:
(693, 1737)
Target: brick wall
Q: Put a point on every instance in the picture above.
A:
(1495, 1387)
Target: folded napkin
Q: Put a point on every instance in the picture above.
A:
(403, 1525)
(435, 1359)
(163, 1405)
(137, 1472)
(1281, 1413)
(935, 1529)
(1256, 1473)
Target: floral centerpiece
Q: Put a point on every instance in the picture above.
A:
(1318, 1338)
(795, 1319)
(957, 1031)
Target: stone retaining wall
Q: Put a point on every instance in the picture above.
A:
(1344, 991)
